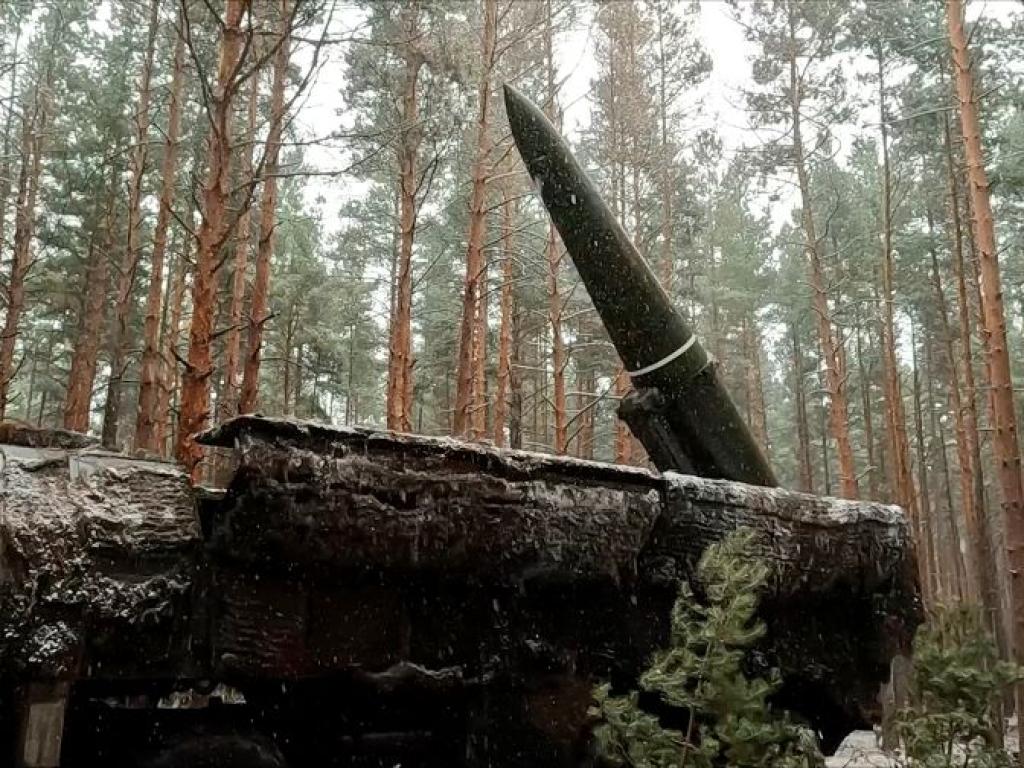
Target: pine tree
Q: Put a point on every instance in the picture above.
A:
(130, 255)
(800, 90)
(147, 414)
(729, 719)
(1005, 444)
(214, 230)
(258, 315)
(470, 403)
(953, 715)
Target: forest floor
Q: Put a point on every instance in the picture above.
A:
(861, 750)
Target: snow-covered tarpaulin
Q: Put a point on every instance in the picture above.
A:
(380, 557)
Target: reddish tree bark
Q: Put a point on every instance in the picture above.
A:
(931, 588)
(515, 383)
(214, 230)
(965, 460)
(1005, 443)
(467, 400)
(147, 418)
(34, 124)
(228, 402)
(129, 266)
(985, 572)
(956, 578)
(258, 308)
(864, 372)
(805, 466)
(895, 414)
(583, 420)
(169, 371)
(400, 361)
(559, 356)
(504, 374)
(5, 164)
(831, 341)
(755, 383)
(623, 446)
(85, 357)
(478, 410)
(667, 180)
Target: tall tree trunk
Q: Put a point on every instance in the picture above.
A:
(260, 302)
(515, 384)
(559, 360)
(541, 415)
(585, 404)
(969, 300)
(169, 371)
(299, 370)
(123, 304)
(467, 400)
(84, 359)
(965, 460)
(882, 452)
(895, 414)
(33, 126)
(146, 420)
(559, 357)
(755, 383)
(5, 167)
(587, 431)
(716, 324)
(623, 445)
(826, 468)
(47, 361)
(956, 583)
(1005, 444)
(400, 362)
(929, 527)
(287, 406)
(350, 405)
(805, 467)
(981, 337)
(214, 230)
(637, 453)
(478, 411)
(504, 374)
(667, 261)
(831, 341)
(30, 393)
(869, 421)
(228, 402)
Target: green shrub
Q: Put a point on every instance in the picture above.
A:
(729, 718)
(956, 686)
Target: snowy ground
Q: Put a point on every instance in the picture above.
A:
(860, 750)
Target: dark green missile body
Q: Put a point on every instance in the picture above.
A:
(679, 410)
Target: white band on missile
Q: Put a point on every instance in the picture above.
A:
(664, 361)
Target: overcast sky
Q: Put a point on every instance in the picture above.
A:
(721, 96)
(722, 37)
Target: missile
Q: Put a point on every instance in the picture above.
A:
(680, 410)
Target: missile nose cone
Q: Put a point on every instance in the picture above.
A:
(518, 108)
(531, 129)
(512, 96)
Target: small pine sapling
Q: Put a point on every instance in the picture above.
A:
(729, 719)
(956, 686)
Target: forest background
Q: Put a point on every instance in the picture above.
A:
(313, 208)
